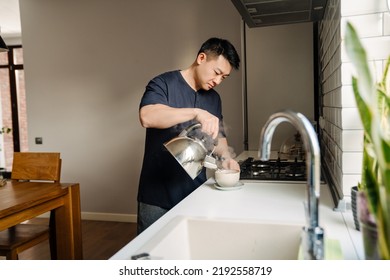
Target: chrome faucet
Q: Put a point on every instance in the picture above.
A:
(313, 234)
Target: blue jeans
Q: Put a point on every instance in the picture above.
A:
(147, 215)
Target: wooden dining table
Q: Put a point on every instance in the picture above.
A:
(22, 201)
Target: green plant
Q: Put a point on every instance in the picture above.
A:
(373, 102)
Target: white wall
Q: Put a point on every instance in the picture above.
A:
(280, 76)
(86, 65)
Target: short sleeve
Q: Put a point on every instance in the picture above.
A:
(155, 93)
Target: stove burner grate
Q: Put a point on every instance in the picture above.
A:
(295, 171)
(281, 170)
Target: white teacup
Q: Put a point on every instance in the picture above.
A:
(227, 178)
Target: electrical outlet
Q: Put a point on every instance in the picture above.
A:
(38, 140)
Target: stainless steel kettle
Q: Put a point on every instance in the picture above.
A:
(191, 153)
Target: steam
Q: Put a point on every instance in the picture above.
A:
(230, 149)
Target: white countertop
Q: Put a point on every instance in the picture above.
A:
(258, 201)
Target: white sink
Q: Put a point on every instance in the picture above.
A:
(200, 238)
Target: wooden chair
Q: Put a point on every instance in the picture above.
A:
(29, 166)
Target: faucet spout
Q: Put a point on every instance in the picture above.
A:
(313, 233)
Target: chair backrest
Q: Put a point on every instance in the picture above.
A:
(36, 166)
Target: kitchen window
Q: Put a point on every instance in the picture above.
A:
(13, 105)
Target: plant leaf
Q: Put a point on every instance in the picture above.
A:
(373, 103)
(364, 110)
(358, 56)
(369, 179)
(384, 84)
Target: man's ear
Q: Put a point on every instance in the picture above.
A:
(201, 58)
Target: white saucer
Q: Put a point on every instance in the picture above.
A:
(236, 187)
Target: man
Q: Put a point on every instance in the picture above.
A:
(172, 101)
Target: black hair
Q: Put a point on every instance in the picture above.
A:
(217, 47)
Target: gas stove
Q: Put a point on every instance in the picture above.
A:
(276, 170)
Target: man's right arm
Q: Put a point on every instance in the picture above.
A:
(162, 116)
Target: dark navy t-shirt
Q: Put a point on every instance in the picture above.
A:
(163, 181)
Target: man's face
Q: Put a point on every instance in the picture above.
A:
(211, 71)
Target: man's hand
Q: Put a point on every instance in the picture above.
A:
(230, 164)
(209, 122)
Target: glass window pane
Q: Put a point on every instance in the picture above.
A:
(22, 111)
(18, 55)
(6, 140)
(4, 82)
(3, 58)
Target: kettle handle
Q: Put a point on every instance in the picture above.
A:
(192, 127)
(189, 128)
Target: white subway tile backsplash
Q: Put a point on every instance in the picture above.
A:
(352, 140)
(325, 115)
(336, 97)
(338, 153)
(338, 175)
(347, 71)
(362, 7)
(337, 133)
(334, 102)
(347, 97)
(342, 134)
(386, 24)
(332, 115)
(350, 119)
(326, 100)
(330, 44)
(380, 67)
(335, 171)
(366, 25)
(350, 181)
(333, 81)
(377, 48)
(352, 162)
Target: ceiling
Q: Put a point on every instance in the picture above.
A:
(261, 13)
(9, 19)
